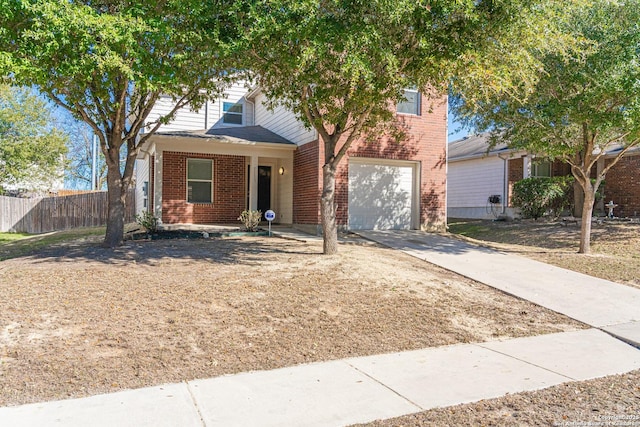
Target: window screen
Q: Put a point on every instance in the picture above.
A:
(199, 181)
(411, 104)
(232, 113)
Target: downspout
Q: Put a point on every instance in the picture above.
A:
(253, 112)
(206, 114)
(505, 183)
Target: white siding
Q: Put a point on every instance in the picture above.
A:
(469, 185)
(235, 94)
(142, 176)
(282, 122)
(185, 119)
(208, 116)
(471, 182)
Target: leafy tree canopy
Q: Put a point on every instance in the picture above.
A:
(32, 149)
(342, 66)
(109, 61)
(580, 101)
(599, 87)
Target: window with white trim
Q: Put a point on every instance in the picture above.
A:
(411, 103)
(541, 169)
(232, 113)
(199, 180)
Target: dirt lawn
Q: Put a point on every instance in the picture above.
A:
(608, 401)
(77, 319)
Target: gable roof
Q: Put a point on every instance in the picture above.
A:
(475, 146)
(235, 135)
(615, 149)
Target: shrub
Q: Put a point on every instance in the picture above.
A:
(538, 196)
(250, 219)
(147, 220)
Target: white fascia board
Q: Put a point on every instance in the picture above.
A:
(212, 146)
(511, 154)
(147, 149)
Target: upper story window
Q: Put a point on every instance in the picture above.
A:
(232, 113)
(199, 181)
(411, 104)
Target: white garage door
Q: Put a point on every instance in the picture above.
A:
(380, 196)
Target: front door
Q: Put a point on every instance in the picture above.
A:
(264, 189)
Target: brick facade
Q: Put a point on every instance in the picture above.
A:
(622, 185)
(307, 184)
(424, 141)
(229, 190)
(516, 173)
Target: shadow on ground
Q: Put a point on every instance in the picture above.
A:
(227, 250)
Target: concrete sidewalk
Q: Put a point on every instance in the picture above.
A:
(358, 390)
(603, 304)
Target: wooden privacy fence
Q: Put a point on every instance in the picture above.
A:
(44, 214)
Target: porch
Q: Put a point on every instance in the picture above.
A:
(210, 177)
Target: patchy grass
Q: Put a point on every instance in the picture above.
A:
(13, 245)
(615, 246)
(11, 237)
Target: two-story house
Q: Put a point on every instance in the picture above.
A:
(207, 166)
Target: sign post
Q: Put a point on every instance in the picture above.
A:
(269, 216)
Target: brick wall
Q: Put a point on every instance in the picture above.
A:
(516, 173)
(307, 184)
(559, 168)
(423, 139)
(622, 185)
(229, 190)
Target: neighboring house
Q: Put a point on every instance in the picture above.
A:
(477, 173)
(32, 187)
(207, 166)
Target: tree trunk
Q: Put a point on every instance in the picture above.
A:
(585, 229)
(116, 195)
(328, 209)
(578, 199)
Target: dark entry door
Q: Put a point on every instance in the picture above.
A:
(264, 189)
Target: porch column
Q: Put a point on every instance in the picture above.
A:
(526, 167)
(157, 185)
(253, 183)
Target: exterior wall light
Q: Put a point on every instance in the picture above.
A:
(281, 170)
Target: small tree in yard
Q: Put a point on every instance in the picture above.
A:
(108, 62)
(31, 148)
(343, 66)
(581, 104)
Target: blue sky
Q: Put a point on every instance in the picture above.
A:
(455, 130)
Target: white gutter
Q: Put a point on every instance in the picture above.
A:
(505, 183)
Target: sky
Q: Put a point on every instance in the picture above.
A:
(455, 130)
